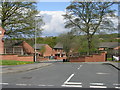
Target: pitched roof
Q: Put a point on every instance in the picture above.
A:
(58, 46)
(39, 46)
(11, 43)
(109, 44)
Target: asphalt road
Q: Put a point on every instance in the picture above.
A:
(64, 75)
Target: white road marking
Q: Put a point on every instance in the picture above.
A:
(50, 85)
(22, 84)
(102, 73)
(71, 85)
(97, 83)
(25, 84)
(45, 85)
(29, 84)
(98, 87)
(41, 85)
(74, 83)
(117, 87)
(116, 84)
(69, 78)
(4, 83)
(80, 66)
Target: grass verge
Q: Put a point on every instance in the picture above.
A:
(13, 62)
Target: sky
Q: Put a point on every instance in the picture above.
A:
(52, 16)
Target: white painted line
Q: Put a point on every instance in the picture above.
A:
(80, 66)
(102, 73)
(4, 83)
(41, 85)
(50, 85)
(97, 83)
(117, 87)
(98, 87)
(116, 84)
(22, 84)
(29, 84)
(71, 85)
(69, 78)
(76, 83)
(45, 85)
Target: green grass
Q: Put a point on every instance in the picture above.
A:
(13, 62)
(109, 59)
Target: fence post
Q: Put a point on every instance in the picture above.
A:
(112, 57)
(106, 57)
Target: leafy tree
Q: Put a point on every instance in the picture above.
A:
(18, 19)
(67, 41)
(47, 40)
(42, 50)
(89, 18)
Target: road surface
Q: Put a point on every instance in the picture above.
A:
(64, 75)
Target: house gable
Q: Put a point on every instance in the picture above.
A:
(2, 31)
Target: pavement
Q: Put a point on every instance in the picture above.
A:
(22, 68)
(114, 64)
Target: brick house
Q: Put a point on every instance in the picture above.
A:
(110, 47)
(44, 50)
(18, 47)
(2, 31)
(58, 50)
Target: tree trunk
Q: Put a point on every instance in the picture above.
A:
(89, 45)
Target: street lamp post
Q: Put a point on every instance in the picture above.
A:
(36, 26)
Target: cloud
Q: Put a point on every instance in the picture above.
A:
(54, 23)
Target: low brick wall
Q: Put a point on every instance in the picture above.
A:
(77, 59)
(94, 58)
(17, 58)
(60, 58)
(42, 59)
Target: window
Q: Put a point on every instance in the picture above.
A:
(9, 50)
(17, 50)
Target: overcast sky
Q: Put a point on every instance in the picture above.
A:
(52, 15)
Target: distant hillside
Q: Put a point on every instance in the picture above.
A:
(109, 37)
(53, 40)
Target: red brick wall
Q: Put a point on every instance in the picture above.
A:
(59, 58)
(93, 58)
(26, 58)
(96, 58)
(42, 59)
(77, 59)
(16, 57)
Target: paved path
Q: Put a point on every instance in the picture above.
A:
(21, 68)
(62, 75)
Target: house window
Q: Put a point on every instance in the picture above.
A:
(17, 50)
(9, 50)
